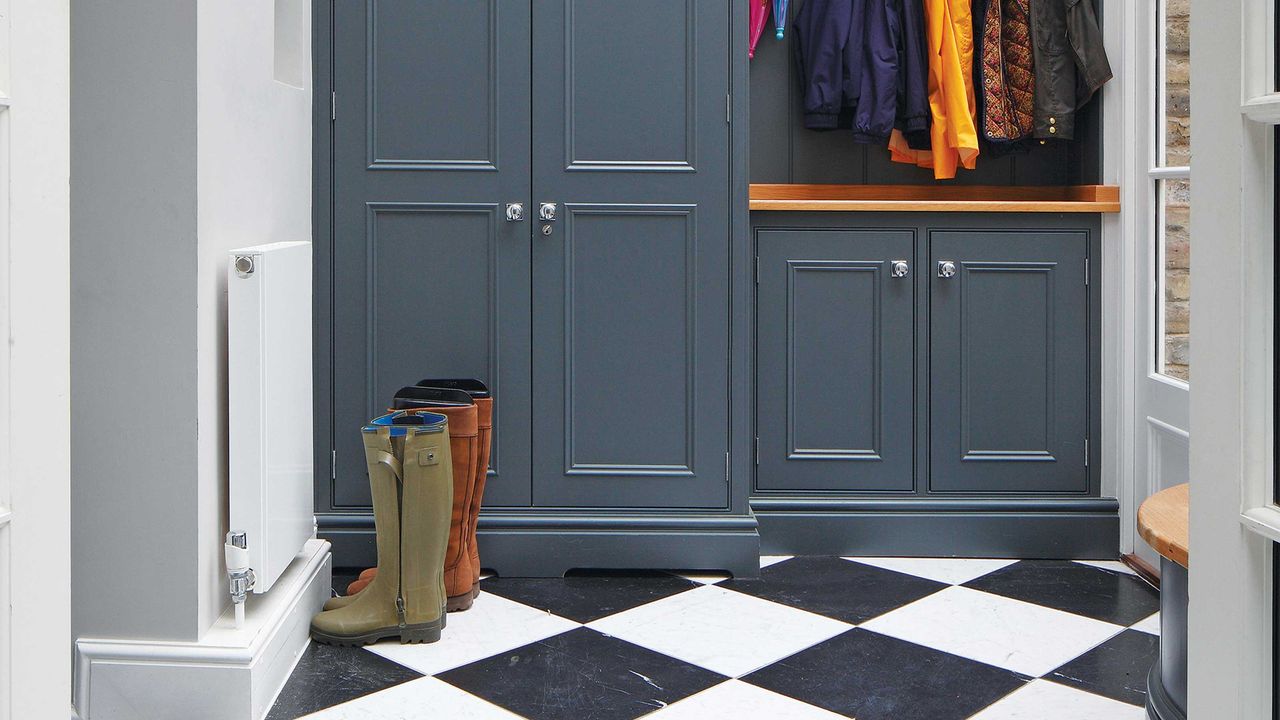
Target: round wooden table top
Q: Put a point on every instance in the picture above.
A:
(1163, 522)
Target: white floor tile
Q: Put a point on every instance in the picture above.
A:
(952, 571)
(1149, 625)
(1112, 565)
(1011, 634)
(492, 625)
(706, 578)
(426, 698)
(721, 630)
(767, 560)
(734, 700)
(1044, 700)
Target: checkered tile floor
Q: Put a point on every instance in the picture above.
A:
(815, 637)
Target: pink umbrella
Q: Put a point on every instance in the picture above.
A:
(759, 18)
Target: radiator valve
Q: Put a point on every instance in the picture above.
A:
(238, 571)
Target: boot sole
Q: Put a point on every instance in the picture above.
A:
(463, 602)
(409, 635)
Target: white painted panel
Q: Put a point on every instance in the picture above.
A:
(291, 52)
(1167, 463)
(35, 543)
(269, 395)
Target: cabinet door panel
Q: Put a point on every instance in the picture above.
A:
(1009, 382)
(835, 361)
(630, 281)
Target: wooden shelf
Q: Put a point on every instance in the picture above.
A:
(1163, 522)
(937, 198)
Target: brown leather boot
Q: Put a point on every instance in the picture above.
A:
(484, 421)
(479, 392)
(464, 443)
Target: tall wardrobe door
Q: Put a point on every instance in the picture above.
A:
(835, 360)
(630, 281)
(431, 141)
(1009, 385)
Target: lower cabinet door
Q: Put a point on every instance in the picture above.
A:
(835, 327)
(1009, 369)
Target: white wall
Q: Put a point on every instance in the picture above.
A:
(183, 146)
(37, 388)
(133, 318)
(254, 186)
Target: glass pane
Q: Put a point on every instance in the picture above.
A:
(1175, 73)
(1174, 303)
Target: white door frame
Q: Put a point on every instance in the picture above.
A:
(35, 366)
(1234, 520)
(1141, 408)
(1162, 404)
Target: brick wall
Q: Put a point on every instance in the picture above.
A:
(1177, 193)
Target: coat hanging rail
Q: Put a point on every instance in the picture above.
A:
(933, 198)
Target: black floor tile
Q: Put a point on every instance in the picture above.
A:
(864, 675)
(328, 676)
(581, 675)
(837, 588)
(1117, 668)
(1081, 589)
(589, 596)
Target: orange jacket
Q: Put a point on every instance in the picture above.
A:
(952, 101)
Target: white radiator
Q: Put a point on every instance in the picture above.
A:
(269, 397)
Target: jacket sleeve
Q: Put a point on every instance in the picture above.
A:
(913, 74)
(878, 98)
(1085, 38)
(821, 32)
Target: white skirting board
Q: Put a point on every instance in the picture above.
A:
(229, 674)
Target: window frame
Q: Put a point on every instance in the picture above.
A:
(1260, 108)
(1159, 175)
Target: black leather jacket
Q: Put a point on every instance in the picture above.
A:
(1070, 65)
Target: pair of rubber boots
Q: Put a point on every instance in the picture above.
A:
(469, 407)
(411, 480)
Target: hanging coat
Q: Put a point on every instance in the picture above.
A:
(913, 113)
(759, 19)
(829, 59)
(952, 100)
(1007, 72)
(1070, 63)
(848, 55)
(877, 107)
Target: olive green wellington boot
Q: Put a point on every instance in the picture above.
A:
(410, 475)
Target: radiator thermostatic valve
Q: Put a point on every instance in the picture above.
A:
(244, 265)
(238, 571)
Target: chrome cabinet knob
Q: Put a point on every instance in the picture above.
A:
(899, 268)
(515, 212)
(547, 212)
(946, 268)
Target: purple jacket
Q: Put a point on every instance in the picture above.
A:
(862, 66)
(829, 59)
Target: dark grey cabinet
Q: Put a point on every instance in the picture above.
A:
(836, 322)
(1009, 362)
(599, 316)
(926, 384)
(923, 356)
